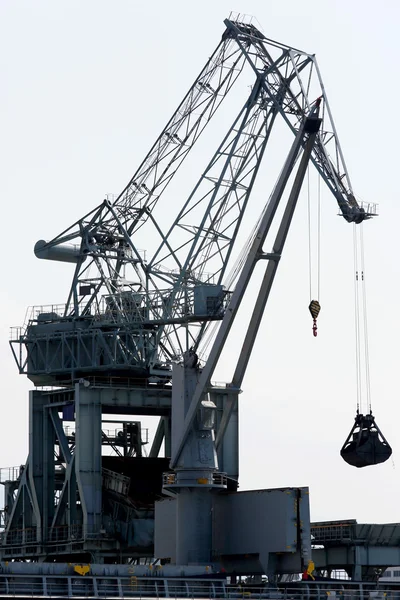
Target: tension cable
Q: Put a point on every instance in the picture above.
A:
(363, 382)
(365, 445)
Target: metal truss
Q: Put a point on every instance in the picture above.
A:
(51, 507)
(140, 311)
(69, 499)
(130, 315)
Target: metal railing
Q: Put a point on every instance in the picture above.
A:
(128, 307)
(117, 434)
(14, 473)
(116, 482)
(110, 587)
(329, 532)
(11, 473)
(53, 535)
(113, 587)
(370, 208)
(220, 479)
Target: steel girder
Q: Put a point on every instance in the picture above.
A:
(196, 248)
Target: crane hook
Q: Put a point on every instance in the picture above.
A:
(314, 309)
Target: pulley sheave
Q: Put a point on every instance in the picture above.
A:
(365, 444)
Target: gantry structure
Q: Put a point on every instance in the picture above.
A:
(141, 331)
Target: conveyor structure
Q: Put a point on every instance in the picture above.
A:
(363, 551)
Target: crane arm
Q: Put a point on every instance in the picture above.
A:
(195, 251)
(178, 137)
(297, 72)
(305, 138)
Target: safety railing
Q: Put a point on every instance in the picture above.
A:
(118, 434)
(14, 473)
(218, 479)
(82, 585)
(370, 208)
(11, 473)
(19, 537)
(53, 535)
(334, 531)
(131, 308)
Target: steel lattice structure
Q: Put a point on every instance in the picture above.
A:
(129, 337)
(140, 313)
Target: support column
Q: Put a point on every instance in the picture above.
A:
(41, 463)
(35, 461)
(194, 526)
(48, 442)
(158, 439)
(88, 456)
(227, 441)
(167, 437)
(197, 477)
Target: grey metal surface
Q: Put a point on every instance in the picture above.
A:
(194, 449)
(55, 503)
(362, 550)
(351, 532)
(76, 522)
(88, 456)
(263, 531)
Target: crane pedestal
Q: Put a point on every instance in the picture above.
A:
(197, 477)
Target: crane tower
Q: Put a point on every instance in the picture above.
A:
(151, 304)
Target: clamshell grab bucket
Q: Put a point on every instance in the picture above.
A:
(365, 444)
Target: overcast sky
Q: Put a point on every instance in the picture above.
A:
(88, 85)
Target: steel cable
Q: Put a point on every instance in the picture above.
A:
(364, 301)
(357, 321)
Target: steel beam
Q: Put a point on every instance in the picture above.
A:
(88, 456)
(254, 253)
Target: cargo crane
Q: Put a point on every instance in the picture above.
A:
(132, 336)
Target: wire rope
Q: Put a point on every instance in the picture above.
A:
(309, 231)
(319, 241)
(357, 320)
(365, 321)
(314, 264)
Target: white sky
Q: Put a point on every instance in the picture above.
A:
(87, 86)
